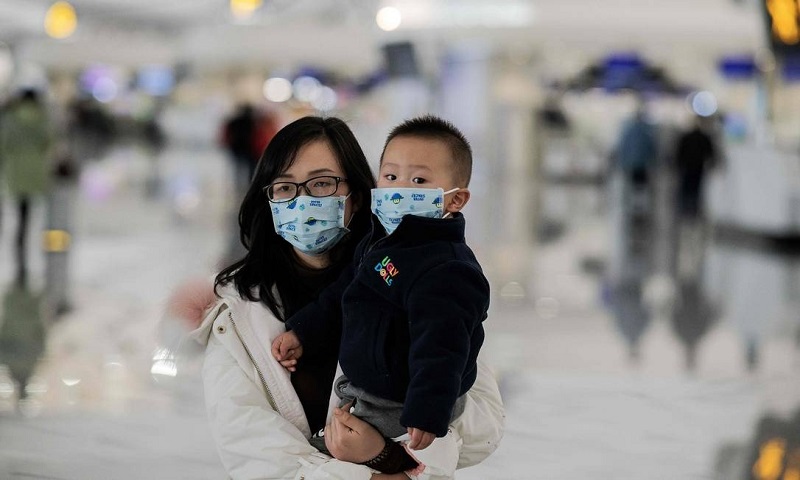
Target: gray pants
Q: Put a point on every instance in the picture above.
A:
(379, 412)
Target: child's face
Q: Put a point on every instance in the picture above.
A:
(417, 162)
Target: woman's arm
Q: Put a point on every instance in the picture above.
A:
(254, 441)
(349, 438)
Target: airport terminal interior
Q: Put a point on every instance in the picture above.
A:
(644, 322)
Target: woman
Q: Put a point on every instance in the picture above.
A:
(261, 416)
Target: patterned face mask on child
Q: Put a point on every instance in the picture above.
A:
(390, 205)
(312, 225)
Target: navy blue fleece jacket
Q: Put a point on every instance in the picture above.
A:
(410, 309)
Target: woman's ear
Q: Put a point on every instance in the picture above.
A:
(460, 199)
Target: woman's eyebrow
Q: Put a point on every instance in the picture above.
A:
(311, 174)
(319, 171)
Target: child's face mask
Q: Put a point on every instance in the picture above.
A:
(390, 205)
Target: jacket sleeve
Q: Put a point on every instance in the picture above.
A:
(320, 321)
(446, 306)
(254, 442)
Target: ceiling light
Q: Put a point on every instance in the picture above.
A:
(105, 90)
(425, 14)
(704, 104)
(388, 18)
(277, 89)
(60, 20)
(244, 8)
(306, 89)
(326, 100)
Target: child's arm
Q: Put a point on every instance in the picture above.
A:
(445, 308)
(318, 325)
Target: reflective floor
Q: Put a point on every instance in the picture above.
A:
(628, 346)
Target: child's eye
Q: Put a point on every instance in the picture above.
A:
(418, 180)
(390, 176)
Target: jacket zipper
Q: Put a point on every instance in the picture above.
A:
(370, 247)
(270, 399)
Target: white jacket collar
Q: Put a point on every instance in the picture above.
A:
(229, 298)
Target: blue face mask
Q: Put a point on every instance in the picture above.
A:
(390, 205)
(312, 225)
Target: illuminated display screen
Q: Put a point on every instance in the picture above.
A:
(783, 25)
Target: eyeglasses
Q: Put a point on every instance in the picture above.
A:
(323, 186)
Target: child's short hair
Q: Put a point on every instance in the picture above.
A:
(433, 127)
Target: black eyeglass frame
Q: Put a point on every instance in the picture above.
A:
(297, 187)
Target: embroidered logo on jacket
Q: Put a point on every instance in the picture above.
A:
(387, 270)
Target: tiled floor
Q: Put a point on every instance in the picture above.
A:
(617, 359)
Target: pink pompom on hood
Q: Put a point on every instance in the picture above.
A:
(190, 300)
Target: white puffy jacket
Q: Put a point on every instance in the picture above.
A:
(258, 422)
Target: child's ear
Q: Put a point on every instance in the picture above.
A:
(460, 199)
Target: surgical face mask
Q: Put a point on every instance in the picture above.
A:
(390, 205)
(313, 225)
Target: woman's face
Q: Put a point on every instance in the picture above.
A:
(313, 160)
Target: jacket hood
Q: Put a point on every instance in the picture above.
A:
(190, 300)
(190, 311)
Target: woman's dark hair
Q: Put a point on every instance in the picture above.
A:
(270, 260)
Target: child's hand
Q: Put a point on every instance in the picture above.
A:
(419, 439)
(286, 348)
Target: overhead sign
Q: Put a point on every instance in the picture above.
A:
(738, 67)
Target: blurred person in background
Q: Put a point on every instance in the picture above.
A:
(90, 130)
(154, 141)
(237, 137)
(84, 133)
(636, 155)
(267, 125)
(695, 155)
(60, 222)
(25, 143)
(261, 416)
(245, 135)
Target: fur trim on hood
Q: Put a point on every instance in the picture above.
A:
(190, 300)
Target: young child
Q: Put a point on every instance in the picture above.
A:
(409, 310)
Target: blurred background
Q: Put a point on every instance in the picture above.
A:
(635, 205)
